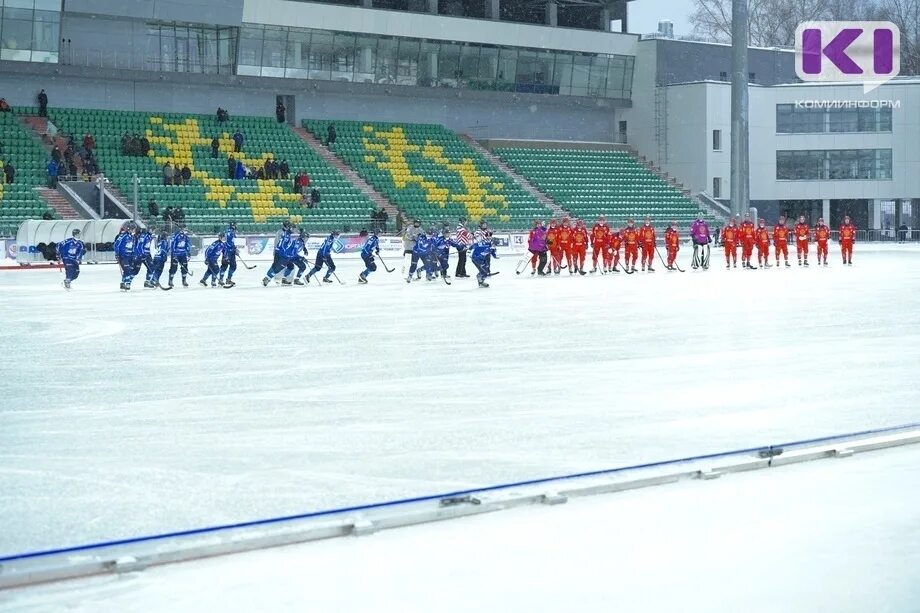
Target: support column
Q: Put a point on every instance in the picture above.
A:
(552, 14)
(740, 187)
(826, 211)
(875, 214)
(605, 18)
(433, 7)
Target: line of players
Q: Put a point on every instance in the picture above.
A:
(429, 251)
(747, 236)
(567, 246)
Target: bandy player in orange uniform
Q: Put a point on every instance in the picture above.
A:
(781, 240)
(748, 237)
(552, 241)
(612, 253)
(671, 244)
(847, 237)
(822, 238)
(647, 240)
(730, 238)
(631, 244)
(579, 246)
(600, 235)
(564, 238)
(802, 234)
(763, 244)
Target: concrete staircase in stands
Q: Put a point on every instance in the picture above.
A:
(529, 187)
(57, 202)
(336, 162)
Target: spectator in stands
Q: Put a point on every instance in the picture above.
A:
(240, 171)
(9, 172)
(222, 115)
(169, 173)
(330, 135)
(215, 147)
(305, 202)
(52, 173)
(56, 154)
(144, 145)
(72, 170)
(42, 104)
(302, 183)
(168, 214)
(125, 144)
(89, 143)
(89, 166)
(284, 170)
(315, 198)
(178, 214)
(382, 218)
(231, 167)
(280, 112)
(237, 141)
(186, 174)
(153, 208)
(47, 216)
(4, 107)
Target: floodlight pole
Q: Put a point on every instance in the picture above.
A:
(740, 165)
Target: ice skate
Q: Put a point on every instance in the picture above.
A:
(203, 283)
(298, 281)
(184, 282)
(266, 281)
(327, 280)
(66, 283)
(483, 283)
(806, 262)
(286, 282)
(361, 278)
(228, 284)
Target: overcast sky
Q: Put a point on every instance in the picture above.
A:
(644, 15)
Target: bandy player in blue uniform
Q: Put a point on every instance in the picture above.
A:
(70, 252)
(324, 256)
(371, 247)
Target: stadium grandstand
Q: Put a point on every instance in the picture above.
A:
(570, 115)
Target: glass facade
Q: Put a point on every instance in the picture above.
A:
(833, 165)
(361, 58)
(793, 119)
(30, 30)
(183, 48)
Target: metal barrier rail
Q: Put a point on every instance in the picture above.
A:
(126, 555)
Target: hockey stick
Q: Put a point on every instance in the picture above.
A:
(337, 278)
(385, 267)
(518, 269)
(625, 268)
(444, 278)
(665, 263)
(245, 265)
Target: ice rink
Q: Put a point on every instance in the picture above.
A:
(129, 414)
(839, 535)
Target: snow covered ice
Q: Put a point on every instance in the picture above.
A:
(129, 414)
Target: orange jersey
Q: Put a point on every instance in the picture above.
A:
(564, 236)
(802, 232)
(599, 234)
(631, 236)
(671, 238)
(551, 236)
(730, 234)
(822, 234)
(580, 237)
(647, 235)
(748, 230)
(847, 232)
(614, 240)
(763, 236)
(780, 234)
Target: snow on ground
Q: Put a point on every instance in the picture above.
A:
(128, 414)
(837, 535)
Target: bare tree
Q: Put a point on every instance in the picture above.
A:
(906, 15)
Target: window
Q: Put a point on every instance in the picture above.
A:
(717, 140)
(723, 76)
(834, 165)
(791, 119)
(752, 77)
(717, 187)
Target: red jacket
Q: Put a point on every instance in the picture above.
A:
(671, 238)
(647, 235)
(847, 232)
(802, 232)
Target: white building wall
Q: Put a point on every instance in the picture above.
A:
(640, 118)
(695, 109)
(437, 27)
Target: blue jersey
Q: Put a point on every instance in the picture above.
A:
(230, 245)
(283, 242)
(213, 251)
(180, 246)
(422, 245)
(142, 245)
(326, 248)
(125, 249)
(162, 250)
(371, 246)
(442, 245)
(118, 242)
(482, 249)
(71, 250)
(297, 246)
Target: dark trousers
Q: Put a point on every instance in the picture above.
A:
(320, 260)
(228, 265)
(279, 264)
(175, 263)
(369, 263)
(482, 265)
(212, 271)
(71, 269)
(158, 265)
(300, 262)
(461, 263)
